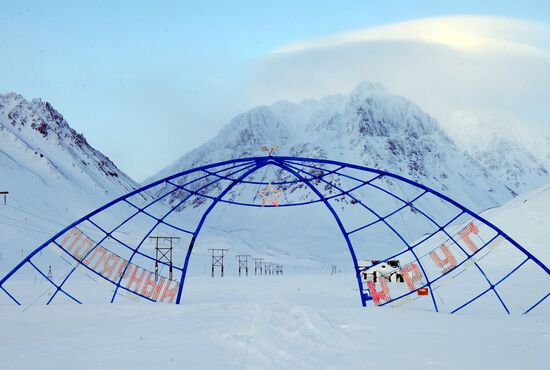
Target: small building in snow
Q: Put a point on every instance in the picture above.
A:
(372, 270)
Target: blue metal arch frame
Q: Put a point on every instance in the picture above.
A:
(244, 167)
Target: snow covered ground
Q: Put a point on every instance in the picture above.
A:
(526, 219)
(296, 321)
(273, 322)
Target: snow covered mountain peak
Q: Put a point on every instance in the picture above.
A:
(370, 126)
(257, 127)
(367, 88)
(38, 115)
(380, 113)
(39, 150)
(241, 137)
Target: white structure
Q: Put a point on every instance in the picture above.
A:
(389, 270)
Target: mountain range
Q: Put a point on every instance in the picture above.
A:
(50, 164)
(377, 129)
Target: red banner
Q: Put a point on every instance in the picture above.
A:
(448, 262)
(111, 266)
(411, 275)
(379, 295)
(465, 233)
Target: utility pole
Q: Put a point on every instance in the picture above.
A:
(258, 266)
(243, 263)
(5, 194)
(217, 258)
(269, 268)
(163, 253)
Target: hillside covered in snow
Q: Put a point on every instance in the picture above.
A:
(47, 165)
(374, 128)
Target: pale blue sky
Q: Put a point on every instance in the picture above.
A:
(148, 81)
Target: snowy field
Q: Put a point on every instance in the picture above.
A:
(302, 320)
(298, 322)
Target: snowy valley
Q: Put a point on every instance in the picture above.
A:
(306, 318)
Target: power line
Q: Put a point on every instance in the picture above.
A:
(28, 228)
(35, 215)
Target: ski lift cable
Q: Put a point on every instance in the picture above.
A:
(13, 222)
(34, 215)
(27, 228)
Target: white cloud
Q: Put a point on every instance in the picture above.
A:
(453, 67)
(460, 32)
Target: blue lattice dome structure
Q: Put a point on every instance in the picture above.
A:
(408, 244)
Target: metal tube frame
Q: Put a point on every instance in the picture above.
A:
(237, 171)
